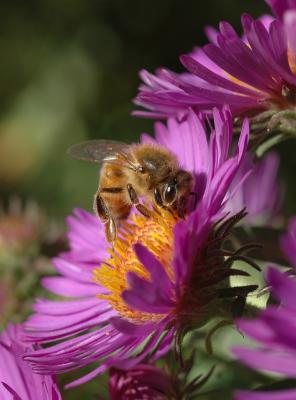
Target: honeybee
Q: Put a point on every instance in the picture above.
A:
(130, 172)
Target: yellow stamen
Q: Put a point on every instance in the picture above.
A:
(241, 83)
(292, 61)
(156, 234)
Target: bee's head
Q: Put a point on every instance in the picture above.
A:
(175, 190)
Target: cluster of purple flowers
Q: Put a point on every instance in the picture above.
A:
(121, 308)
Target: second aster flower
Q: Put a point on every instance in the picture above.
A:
(252, 73)
(163, 273)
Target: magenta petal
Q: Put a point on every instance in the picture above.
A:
(17, 381)
(159, 277)
(97, 371)
(258, 330)
(279, 7)
(72, 270)
(270, 395)
(263, 359)
(141, 285)
(205, 73)
(283, 323)
(153, 305)
(51, 307)
(282, 286)
(131, 329)
(288, 242)
(144, 294)
(264, 174)
(11, 391)
(234, 67)
(164, 347)
(148, 347)
(70, 288)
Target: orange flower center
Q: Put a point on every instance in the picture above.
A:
(156, 234)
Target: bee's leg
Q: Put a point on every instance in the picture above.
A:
(135, 201)
(102, 211)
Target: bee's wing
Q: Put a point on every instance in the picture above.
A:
(101, 151)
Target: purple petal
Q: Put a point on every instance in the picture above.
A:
(270, 395)
(257, 329)
(279, 7)
(157, 272)
(142, 293)
(213, 78)
(72, 270)
(148, 347)
(91, 375)
(17, 381)
(131, 329)
(11, 391)
(290, 25)
(283, 323)
(282, 286)
(70, 288)
(269, 361)
(51, 307)
(288, 242)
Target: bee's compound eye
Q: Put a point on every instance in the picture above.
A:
(170, 193)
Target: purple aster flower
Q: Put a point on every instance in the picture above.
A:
(264, 208)
(17, 381)
(144, 382)
(274, 329)
(127, 303)
(280, 7)
(252, 73)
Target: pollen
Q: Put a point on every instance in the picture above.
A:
(292, 61)
(156, 234)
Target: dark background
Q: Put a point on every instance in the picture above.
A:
(68, 72)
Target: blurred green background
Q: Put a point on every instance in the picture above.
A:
(68, 72)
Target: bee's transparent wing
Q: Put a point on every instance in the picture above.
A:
(101, 151)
